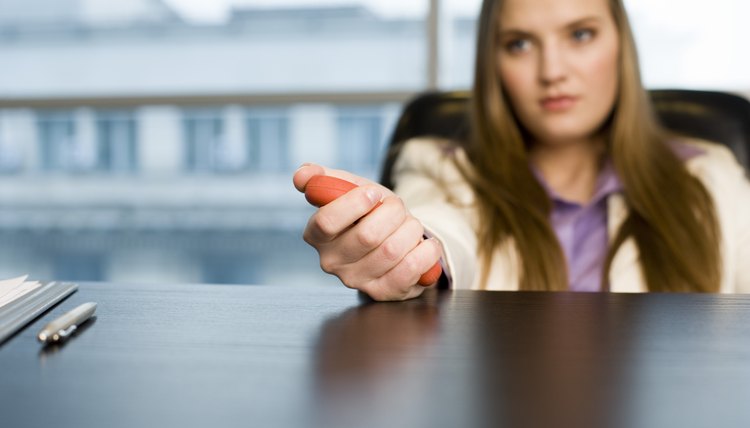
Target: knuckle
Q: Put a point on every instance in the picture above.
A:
(404, 293)
(307, 236)
(356, 282)
(367, 237)
(410, 265)
(327, 264)
(397, 207)
(351, 277)
(393, 293)
(347, 282)
(396, 202)
(324, 224)
(391, 250)
(417, 225)
(378, 293)
(375, 294)
(364, 198)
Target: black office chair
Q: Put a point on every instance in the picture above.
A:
(714, 116)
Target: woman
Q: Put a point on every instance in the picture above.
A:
(568, 183)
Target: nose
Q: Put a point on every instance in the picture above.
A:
(552, 65)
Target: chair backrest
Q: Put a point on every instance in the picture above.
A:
(716, 116)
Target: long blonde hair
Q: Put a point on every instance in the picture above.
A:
(672, 217)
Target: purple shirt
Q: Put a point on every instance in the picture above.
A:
(581, 230)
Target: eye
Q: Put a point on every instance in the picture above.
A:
(583, 35)
(518, 45)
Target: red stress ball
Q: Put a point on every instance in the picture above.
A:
(322, 189)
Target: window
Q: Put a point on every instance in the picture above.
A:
(457, 39)
(60, 149)
(206, 148)
(268, 141)
(117, 146)
(11, 159)
(81, 141)
(360, 138)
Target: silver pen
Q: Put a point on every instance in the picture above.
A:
(64, 326)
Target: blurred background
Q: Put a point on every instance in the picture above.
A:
(155, 140)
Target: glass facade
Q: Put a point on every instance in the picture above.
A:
(268, 143)
(11, 156)
(207, 150)
(60, 149)
(117, 145)
(360, 138)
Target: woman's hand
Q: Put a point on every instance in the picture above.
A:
(378, 251)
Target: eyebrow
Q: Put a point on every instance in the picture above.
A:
(525, 33)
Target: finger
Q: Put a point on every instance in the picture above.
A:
(393, 250)
(339, 215)
(304, 173)
(399, 280)
(308, 170)
(342, 256)
(373, 229)
(377, 262)
(348, 176)
(384, 294)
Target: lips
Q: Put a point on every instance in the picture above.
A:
(558, 103)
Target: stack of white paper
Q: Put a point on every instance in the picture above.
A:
(15, 288)
(22, 301)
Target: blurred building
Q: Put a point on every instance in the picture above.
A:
(135, 146)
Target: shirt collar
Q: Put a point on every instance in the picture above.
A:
(607, 183)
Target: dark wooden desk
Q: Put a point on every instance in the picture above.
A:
(255, 356)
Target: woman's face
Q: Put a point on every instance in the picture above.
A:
(558, 63)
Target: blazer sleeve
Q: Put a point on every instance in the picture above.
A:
(727, 182)
(434, 191)
(737, 231)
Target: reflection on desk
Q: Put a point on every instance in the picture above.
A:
(373, 360)
(202, 355)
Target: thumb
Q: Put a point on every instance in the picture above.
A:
(304, 173)
(309, 170)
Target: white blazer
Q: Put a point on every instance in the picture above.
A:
(437, 194)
